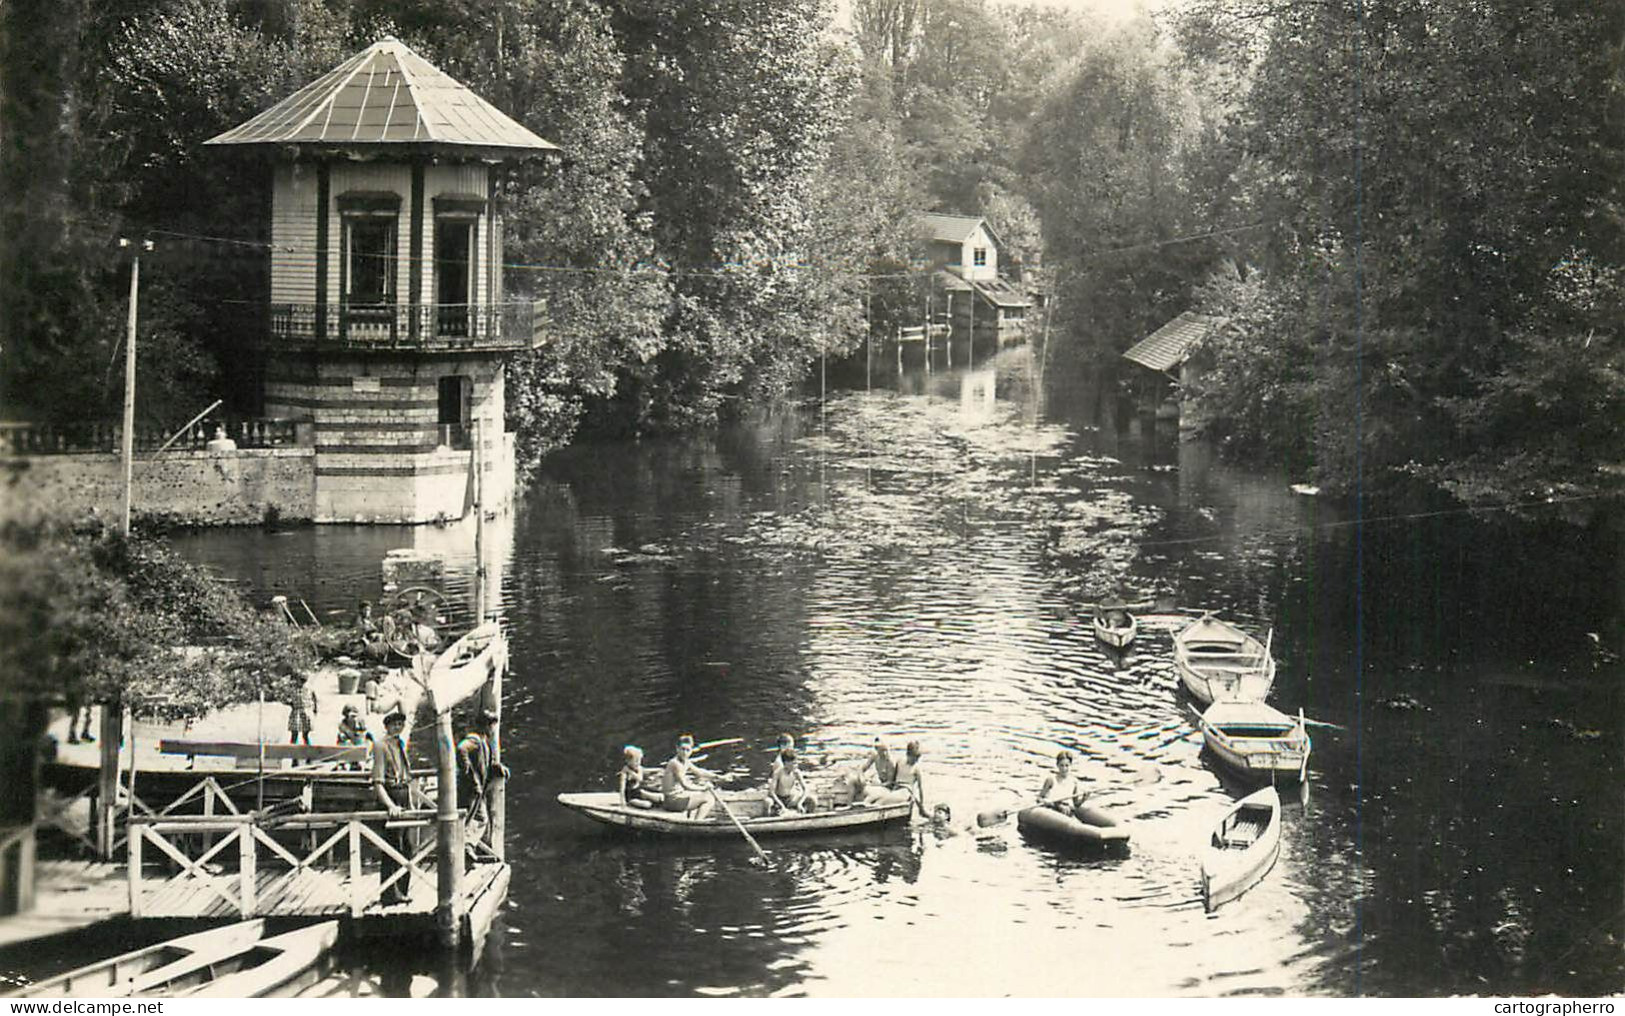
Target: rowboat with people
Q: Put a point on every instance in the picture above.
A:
(1115, 625)
(751, 808)
(1217, 661)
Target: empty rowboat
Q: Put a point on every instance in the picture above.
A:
(750, 807)
(1088, 827)
(138, 972)
(273, 966)
(1243, 848)
(1115, 625)
(1256, 741)
(1218, 662)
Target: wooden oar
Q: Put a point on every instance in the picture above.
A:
(717, 744)
(1320, 723)
(739, 825)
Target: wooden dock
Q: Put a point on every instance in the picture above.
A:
(69, 895)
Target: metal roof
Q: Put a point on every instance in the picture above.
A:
(1171, 344)
(948, 228)
(1004, 294)
(387, 95)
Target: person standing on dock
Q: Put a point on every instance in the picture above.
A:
(392, 782)
(302, 706)
(474, 758)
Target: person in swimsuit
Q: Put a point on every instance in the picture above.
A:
(885, 768)
(907, 777)
(787, 789)
(636, 782)
(682, 783)
(1061, 790)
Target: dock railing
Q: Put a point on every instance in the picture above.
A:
(269, 871)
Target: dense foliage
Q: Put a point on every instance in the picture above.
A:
(1438, 294)
(89, 615)
(1408, 210)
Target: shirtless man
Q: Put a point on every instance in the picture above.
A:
(885, 774)
(907, 777)
(787, 788)
(682, 783)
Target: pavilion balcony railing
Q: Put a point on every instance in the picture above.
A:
(90, 436)
(499, 327)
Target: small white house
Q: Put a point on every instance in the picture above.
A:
(961, 244)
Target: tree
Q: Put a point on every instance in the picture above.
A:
(89, 615)
(739, 101)
(1452, 155)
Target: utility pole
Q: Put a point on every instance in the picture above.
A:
(128, 436)
(112, 719)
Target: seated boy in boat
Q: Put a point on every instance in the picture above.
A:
(683, 784)
(1061, 789)
(636, 783)
(786, 787)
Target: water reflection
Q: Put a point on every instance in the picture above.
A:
(917, 561)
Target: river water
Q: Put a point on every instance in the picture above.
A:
(912, 556)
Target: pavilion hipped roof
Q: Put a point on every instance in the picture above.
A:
(388, 95)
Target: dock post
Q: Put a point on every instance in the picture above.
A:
(133, 867)
(497, 783)
(112, 734)
(496, 788)
(448, 838)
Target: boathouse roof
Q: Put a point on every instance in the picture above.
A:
(1170, 345)
(388, 95)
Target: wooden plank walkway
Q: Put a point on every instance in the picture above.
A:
(304, 892)
(69, 895)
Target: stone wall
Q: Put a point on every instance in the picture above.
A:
(186, 488)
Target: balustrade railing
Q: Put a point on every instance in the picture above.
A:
(95, 436)
(498, 326)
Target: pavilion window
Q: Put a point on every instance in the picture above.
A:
(453, 274)
(370, 258)
(371, 263)
(979, 257)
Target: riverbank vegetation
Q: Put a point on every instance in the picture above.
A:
(1407, 211)
(90, 615)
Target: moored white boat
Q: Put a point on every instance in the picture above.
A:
(144, 971)
(462, 667)
(1242, 849)
(1218, 662)
(1257, 741)
(271, 967)
(750, 807)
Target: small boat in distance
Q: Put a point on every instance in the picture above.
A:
(1115, 625)
(1257, 741)
(144, 971)
(1243, 848)
(1088, 827)
(749, 806)
(1217, 661)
